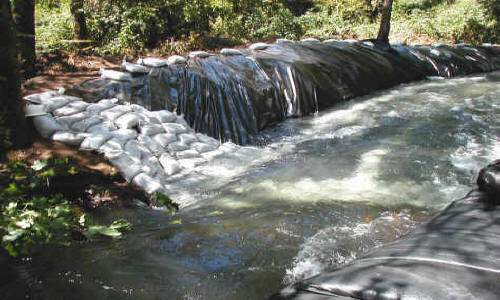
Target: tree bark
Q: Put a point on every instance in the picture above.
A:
(79, 20)
(11, 110)
(23, 15)
(385, 22)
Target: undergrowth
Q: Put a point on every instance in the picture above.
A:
(35, 211)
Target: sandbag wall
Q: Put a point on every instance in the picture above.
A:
(235, 94)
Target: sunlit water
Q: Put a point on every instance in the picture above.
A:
(318, 192)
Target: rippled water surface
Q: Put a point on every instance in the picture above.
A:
(317, 193)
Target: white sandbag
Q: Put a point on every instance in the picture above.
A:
(151, 166)
(128, 167)
(56, 102)
(82, 105)
(187, 154)
(176, 146)
(41, 97)
(34, 110)
(191, 163)
(207, 139)
(66, 110)
(151, 129)
(187, 138)
(152, 62)
(100, 106)
(134, 68)
(139, 108)
(70, 138)
(115, 75)
(174, 128)
(153, 146)
(284, 41)
(124, 135)
(129, 120)
(368, 44)
(148, 183)
(104, 126)
(231, 52)
(112, 101)
(350, 41)
(176, 60)
(114, 113)
(258, 46)
(199, 54)
(165, 116)
(212, 154)
(67, 121)
(83, 125)
(310, 40)
(202, 147)
(164, 139)
(132, 149)
(169, 164)
(46, 125)
(110, 146)
(94, 141)
(328, 41)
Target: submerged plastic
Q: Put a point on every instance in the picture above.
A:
(454, 256)
(233, 95)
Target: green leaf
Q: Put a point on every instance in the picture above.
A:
(102, 230)
(13, 234)
(176, 222)
(39, 165)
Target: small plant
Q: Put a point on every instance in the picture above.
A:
(159, 199)
(33, 212)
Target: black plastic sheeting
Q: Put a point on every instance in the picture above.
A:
(454, 256)
(234, 97)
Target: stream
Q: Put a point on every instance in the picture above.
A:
(313, 193)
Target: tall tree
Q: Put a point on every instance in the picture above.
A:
(79, 20)
(385, 21)
(11, 110)
(23, 14)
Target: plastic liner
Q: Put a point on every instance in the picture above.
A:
(233, 95)
(453, 256)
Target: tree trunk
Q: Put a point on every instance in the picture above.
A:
(11, 110)
(24, 23)
(385, 22)
(79, 21)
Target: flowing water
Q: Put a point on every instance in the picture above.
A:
(317, 192)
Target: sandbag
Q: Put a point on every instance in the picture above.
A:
(46, 125)
(70, 138)
(115, 75)
(169, 164)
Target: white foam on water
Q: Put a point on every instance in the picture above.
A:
(338, 245)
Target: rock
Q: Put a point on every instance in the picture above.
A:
(152, 62)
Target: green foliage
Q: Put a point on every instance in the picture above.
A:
(159, 199)
(33, 213)
(53, 25)
(179, 26)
